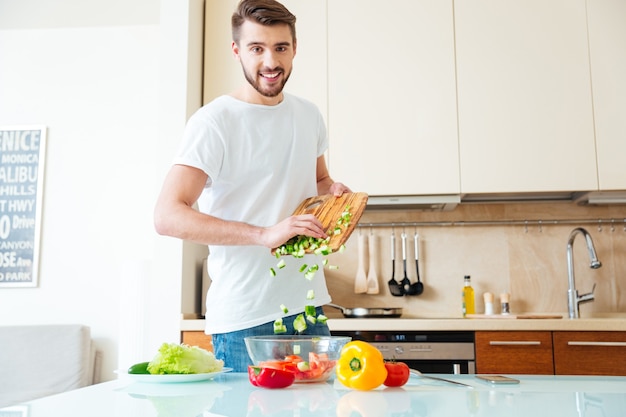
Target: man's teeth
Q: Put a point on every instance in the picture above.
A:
(271, 75)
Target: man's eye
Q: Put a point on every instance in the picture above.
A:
(281, 49)
(256, 49)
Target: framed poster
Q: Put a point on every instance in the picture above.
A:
(22, 158)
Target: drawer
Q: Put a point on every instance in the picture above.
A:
(517, 352)
(589, 353)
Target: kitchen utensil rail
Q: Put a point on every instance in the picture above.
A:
(612, 224)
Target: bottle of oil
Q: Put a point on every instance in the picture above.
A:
(468, 297)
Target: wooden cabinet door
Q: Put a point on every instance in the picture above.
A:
(197, 338)
(392, 96)
(589, 353)
(524, 95)
(516, 352)
(607, 49)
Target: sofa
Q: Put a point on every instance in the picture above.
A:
(41, 360)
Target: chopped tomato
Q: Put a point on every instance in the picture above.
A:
(293, 358)
(316, 369)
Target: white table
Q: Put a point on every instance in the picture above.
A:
(232, 395)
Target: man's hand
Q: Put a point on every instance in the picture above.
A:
(304, 224)
(337, 189)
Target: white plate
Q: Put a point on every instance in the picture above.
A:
(174, 378)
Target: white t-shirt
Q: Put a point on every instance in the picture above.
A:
(261, 162)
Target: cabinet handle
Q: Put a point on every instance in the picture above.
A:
(583, 343)
(514, 343)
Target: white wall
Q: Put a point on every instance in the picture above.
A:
(110, 83)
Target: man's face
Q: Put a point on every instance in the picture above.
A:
(266, 54)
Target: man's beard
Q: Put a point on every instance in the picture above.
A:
(273, 91)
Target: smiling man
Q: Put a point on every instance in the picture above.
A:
(248, 159)
(266, 54)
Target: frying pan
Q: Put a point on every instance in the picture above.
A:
(368, 313)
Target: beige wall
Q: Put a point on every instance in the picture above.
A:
(529, 262)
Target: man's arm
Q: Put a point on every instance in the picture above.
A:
(325, 184)
(175, 216)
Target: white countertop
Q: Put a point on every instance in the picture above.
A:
(609, 322)
(233, 395)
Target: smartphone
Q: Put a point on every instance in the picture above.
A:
(498, 379)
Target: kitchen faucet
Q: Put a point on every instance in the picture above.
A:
(573, 299)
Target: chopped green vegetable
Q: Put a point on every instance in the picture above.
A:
(279, 327)
(281, 264)
(310, 273)
(311, 319)
(296, 349)
(303, 267)
(310, 294)
(323, 250)
(303, 366)
(299, 323)
(322, 319)
(309, 310)
(174, 358)
(272, 272)
(284, 308)
(333, 267)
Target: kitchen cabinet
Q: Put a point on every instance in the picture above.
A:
(589, 353)
(514, 352)
(607, 49)
(551, 352)
(524, 96)
(196, 338)
(392, 98)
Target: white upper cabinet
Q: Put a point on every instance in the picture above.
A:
(524, 96)
(392, 99)
(607, 46)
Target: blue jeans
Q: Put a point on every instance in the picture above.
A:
(231, 348)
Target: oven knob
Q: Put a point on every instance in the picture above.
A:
(399, 350)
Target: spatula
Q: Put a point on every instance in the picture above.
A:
(372, 274)
(360, 281)
(394, 287)
(406, 282)
(417, 287)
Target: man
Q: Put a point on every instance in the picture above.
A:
(248, 159)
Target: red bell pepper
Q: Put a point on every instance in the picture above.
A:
(270, 377)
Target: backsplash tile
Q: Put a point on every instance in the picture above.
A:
(529, 262)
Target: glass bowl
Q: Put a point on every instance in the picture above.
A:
(311, 358)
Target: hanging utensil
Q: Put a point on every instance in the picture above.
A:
(406, 282)
(360, 281)
(394, 287)
(372, 274)
(417, 288)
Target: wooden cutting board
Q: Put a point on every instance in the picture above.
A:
(328, 208)
(514, 316)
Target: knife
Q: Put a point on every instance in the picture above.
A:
(421, 375)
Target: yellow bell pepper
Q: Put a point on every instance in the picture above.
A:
(361, 366)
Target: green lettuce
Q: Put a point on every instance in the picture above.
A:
(174, 358)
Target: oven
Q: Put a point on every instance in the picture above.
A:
(434, 352)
